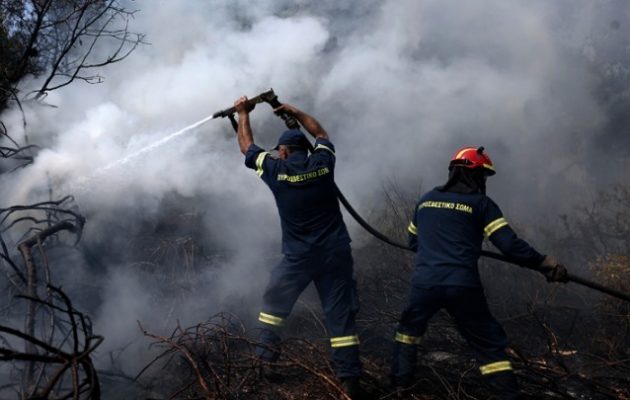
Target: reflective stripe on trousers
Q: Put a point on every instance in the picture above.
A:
(270, 319)
(344, 341)
(494, 367)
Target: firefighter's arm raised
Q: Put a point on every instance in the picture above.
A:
(244, 132)
(309, 123)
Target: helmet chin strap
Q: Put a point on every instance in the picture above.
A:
(465, 180)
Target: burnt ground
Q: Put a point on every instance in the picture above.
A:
(566, 343)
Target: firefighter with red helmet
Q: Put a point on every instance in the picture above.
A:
(447, 231)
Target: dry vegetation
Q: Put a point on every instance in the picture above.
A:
(567, 342)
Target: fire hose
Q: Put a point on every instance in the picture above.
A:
(272, 99)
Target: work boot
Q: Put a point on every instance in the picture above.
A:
(352, 387)
(505, 386)
(268, 372)
(401, 388)
(401, 391)
(268, 348)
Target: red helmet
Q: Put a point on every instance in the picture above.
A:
(472, 157)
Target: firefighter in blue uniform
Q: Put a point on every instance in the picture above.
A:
(315, 242)
(446, 232)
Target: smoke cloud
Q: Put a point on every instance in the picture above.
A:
(399, 86)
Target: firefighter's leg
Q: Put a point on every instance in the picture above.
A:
(338, 295)
(423, 303)
(288, 280)
(486, 336)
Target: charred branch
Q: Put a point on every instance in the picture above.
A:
(221, 362)
(62, 39)
(20, 155)
(71, 359)
(54, 357)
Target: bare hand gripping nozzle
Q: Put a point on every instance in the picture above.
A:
(267, 96)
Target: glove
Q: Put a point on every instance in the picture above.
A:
(553, 270)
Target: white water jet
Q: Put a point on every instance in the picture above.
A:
(81, 183)
(152, 146)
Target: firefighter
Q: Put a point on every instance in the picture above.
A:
(315, 241)
(446, 231)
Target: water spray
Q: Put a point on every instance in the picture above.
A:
(82, 182)
(267, 96)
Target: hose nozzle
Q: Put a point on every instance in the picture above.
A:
(266, 96)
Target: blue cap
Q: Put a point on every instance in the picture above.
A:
(292, 137)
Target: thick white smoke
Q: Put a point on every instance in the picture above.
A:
(399, 85)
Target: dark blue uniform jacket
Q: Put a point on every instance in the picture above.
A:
(305, 194)
(447, 231)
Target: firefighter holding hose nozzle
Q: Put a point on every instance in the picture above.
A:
(315, 241)
(446, 231)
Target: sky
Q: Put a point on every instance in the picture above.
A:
(399, 85)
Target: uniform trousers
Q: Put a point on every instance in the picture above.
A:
(332, 273)
(469, 309)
